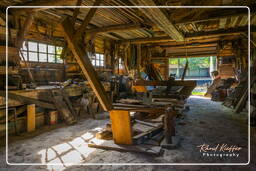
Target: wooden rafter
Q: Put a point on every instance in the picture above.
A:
(87, 19)
(76, 11)
(160, 19)
(213, 14)
(189, 37)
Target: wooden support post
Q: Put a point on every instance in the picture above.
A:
(169, 127)
(166, 76)
(138, 59)
(53, 117)
(31, 117)
(121, 126)
(85, 64)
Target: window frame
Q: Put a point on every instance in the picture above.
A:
(27, 51)
(97, 60)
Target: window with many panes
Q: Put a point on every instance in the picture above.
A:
(97, 60)
(41, 52)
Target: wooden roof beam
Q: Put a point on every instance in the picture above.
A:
(191, 46)
(163, 83)
(197, 35)
(216, 15)
(192, 53)
(87, 19)
(159, 18)
(114, 28)
(76, 11)
(221, 32)
(206, 54)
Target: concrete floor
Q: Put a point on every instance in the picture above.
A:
(206, 122)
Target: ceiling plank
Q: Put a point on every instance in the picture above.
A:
(41, 3)
(159, 18)
(113, 28)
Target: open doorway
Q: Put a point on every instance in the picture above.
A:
(199, 69)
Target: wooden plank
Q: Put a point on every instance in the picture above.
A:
(221, 32)
(134, 109)
(63, 107)
(191, 36)
(114, 28)
(144, 136)
(215, 15)
(144, 149)
(28, 100)
(169, 125)
(242, 102)
(158, 17)
(164, 83)
(86, 66)
(31, 117)
(121, 126)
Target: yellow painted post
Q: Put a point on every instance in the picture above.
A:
(31, 117)
(121, 126)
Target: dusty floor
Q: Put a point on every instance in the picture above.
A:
(206, 122)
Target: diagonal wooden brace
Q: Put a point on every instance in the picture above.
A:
(85, 64)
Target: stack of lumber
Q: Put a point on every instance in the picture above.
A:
(153, 72)
(238, 97)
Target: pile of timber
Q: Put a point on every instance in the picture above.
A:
(238, 97)
(183, 89)
(153, 72)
